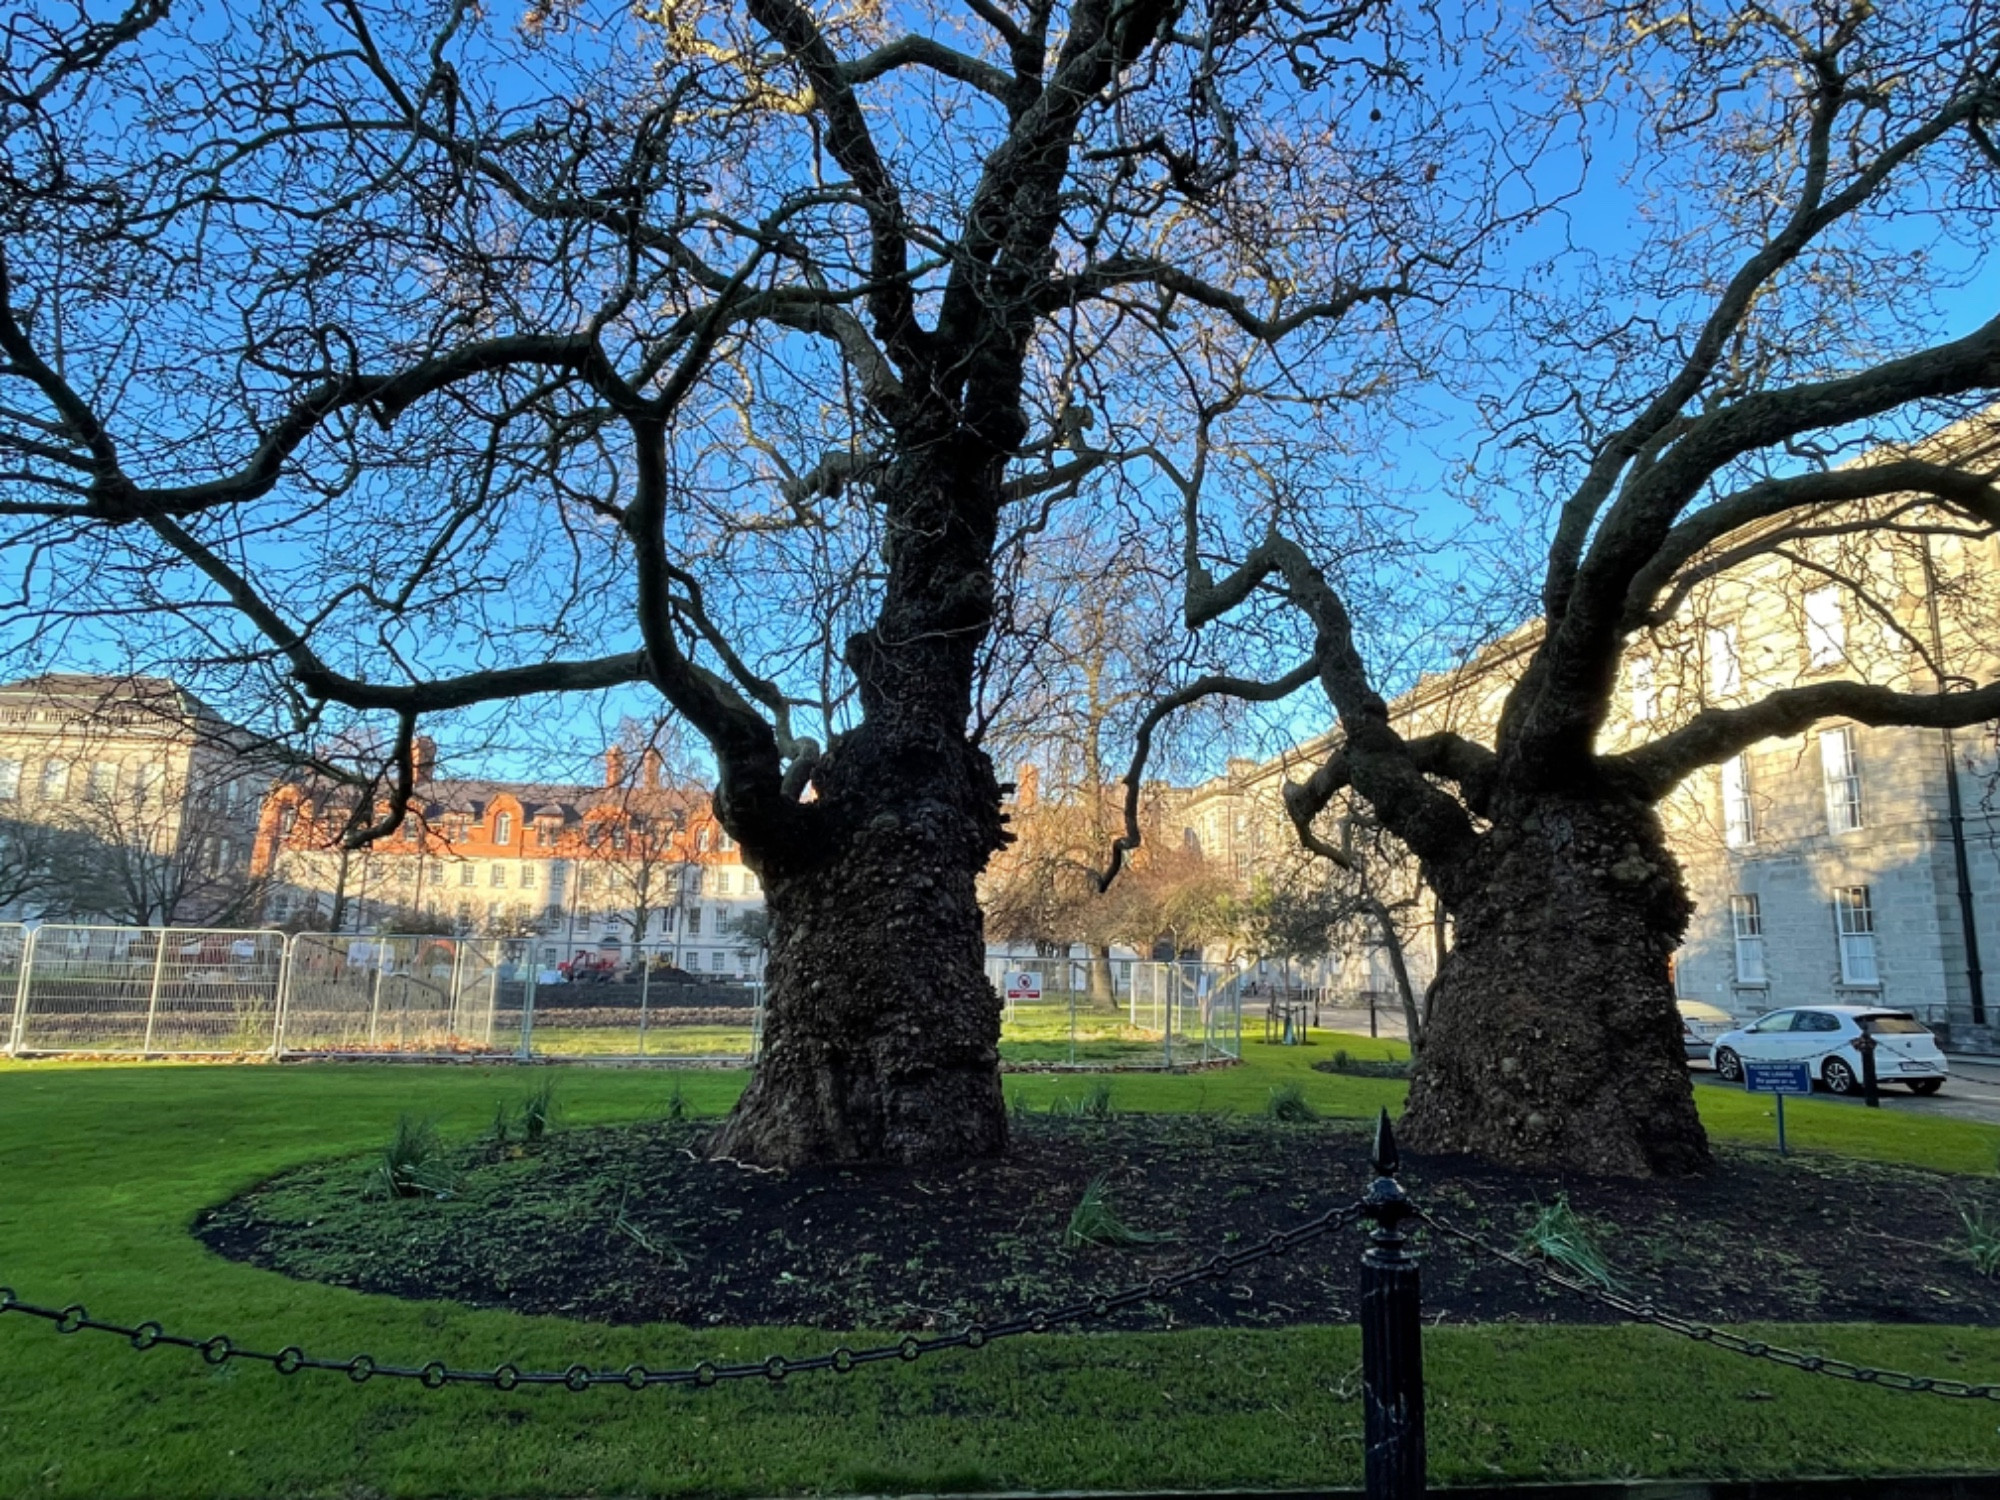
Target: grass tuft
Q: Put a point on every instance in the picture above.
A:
(1094, 1222)
(1288, 1105)
(538, 1111)
(1982, 1241)
(412, 1164)
(677, 1104)
(1559, 1236)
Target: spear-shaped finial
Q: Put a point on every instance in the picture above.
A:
(1384, 1156)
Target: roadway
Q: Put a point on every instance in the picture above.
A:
(1971, 1093)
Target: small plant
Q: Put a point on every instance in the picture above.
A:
(662, 1249)
(1288, 1105)
(502, 1133)
(538, 1111)
(1094, 1222)
(1020, 1107)
(1558, 1235)
(677, 1105)
(1096, 1105)
(412, 1164)
(1982, 1241)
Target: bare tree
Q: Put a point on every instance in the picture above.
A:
(38, 863)
(166, 852)
(726, 354)
(1737, 392)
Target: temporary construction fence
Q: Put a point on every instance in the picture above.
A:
(211, 992)
(145, 989)
(1124, 1013)
(403, 994)
(217, 992)
(644, 1005)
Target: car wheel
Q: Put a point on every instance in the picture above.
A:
(1838, 1076)
(1728, 1066)
(1925, 1085)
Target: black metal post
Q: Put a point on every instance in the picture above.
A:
(1392, 1351)
(1871, 1091)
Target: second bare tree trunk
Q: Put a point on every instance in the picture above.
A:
(1552, 1038)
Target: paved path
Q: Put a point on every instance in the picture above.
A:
(1972, 1092)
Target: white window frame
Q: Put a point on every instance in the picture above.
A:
(1739, 816)
(56, 773)
(10, 780)
(503, 828)
(1840, 772)
(1854, 931)
(1746, 923)
(1826, 627)
(101, 780)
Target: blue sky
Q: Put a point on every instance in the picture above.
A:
(1417, 459)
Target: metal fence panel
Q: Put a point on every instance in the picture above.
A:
(149, 990)
(14, 940)
(1119, 1013)
(641, 1003)
(399, 994)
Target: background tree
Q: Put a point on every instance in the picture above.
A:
(39, 863)
(727, 353)
(1702, 399)
(166, 852)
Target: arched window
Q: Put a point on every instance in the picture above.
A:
(503, 828)
(701, 842)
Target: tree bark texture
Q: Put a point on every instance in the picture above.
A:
(1552, 1037)
(882, 1031)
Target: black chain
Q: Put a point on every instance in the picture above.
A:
(1707, 1333)
(220, 1349)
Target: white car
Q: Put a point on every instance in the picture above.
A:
(1825, 1037)
(1701, 1024)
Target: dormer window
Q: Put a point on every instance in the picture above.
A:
(701, 842)
(503, 828)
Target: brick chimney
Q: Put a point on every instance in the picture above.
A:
(614, 766)
(425, 755)
(652, 768)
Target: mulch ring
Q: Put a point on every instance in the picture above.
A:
(629, 1224)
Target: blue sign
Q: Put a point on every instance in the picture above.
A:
(1777, 1077)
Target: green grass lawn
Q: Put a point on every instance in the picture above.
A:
(103, 1167)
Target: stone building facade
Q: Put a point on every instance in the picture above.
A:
(593, 870)
(1850, 864)
(143, 796)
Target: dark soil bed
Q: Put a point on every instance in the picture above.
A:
(628, 1225)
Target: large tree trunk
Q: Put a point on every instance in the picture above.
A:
(1552, 1038)
(1101, 991)
(881, 1031)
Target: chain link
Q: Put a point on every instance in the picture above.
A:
(1707, 1333)
(436, 1374)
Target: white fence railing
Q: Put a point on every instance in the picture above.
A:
(210, 992)
(214, 992)
(1111, 1012)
